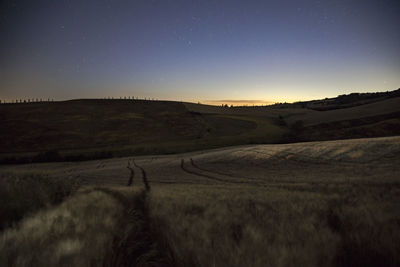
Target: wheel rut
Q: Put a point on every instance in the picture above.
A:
(136, 243)
(196, 171)
(131, 167)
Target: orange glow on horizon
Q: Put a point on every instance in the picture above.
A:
(237, 102)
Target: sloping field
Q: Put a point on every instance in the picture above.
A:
(330, 203)
(308, 116)
(336, 161)
(313, 117)
(264, 111)
(80, 124)
(90, 129)
(380, 118)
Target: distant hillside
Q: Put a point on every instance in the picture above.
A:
(85, 129)
(373, 119)
(344, 117)
(342, 101)
(101, 128)
(92, 123)
(313, 117)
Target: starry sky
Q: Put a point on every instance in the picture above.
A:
(248, 51)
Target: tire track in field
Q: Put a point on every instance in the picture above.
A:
(136, 243)
(221, 173)
(144, 176)
(290, 185)
(212, 171)
(212, 177)
(132, 173)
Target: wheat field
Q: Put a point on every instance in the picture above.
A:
(330, 203)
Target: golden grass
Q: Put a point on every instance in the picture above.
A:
(251, 226)
(220, 225)
(77, 233)
(98, 226)
(23, 194)
(312, 204)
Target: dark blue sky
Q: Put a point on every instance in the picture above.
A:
(282, 50)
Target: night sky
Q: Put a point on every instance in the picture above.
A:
(207, 51)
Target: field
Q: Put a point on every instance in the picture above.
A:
(159, 183)
(89, 129)
(333, 203)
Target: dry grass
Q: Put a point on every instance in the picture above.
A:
(178, 225)
(95, 227)
(250, 226)
(24, 194)
(312, 204)
(77, 233)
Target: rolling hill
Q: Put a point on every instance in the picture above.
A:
(102, 128)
